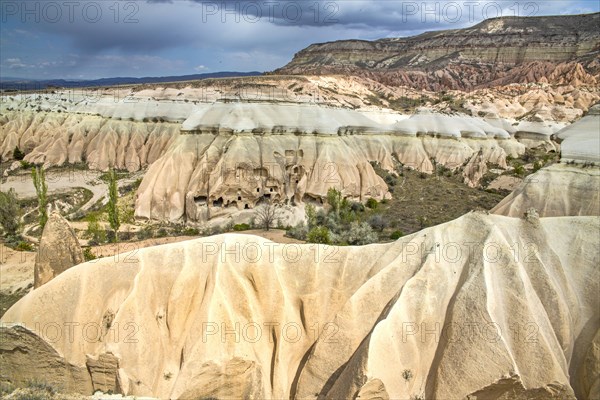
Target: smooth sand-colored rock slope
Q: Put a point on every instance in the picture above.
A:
(557, 190)
(569, 188)
(485, 305)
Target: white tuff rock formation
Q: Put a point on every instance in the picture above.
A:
(510, 311)
(569, 188)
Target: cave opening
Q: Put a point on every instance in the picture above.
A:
(218, 202)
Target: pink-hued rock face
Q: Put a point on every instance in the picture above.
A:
(473, 306)
(498, 51)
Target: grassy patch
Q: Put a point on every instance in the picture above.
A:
(421, 202)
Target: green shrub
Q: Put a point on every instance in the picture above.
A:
(112, 206)
(94, 232)
(241, 227)
(372, 203)
(18, 154)
(146, 232)
(396, 235)
(127, 214)
(41, 386)
(300, 231)
(319, 234)
(321, 217)
(377, 222)
(347, 216)
(41, 188)
(191, 232)
(88, 255)
(162, 232)
(359, 234)
(537, 166)
(10, 213)
(334, 199)
(24, 246)
(357, 207)
(311, 215)
(26, 164)
(390, 180)
(519, 169)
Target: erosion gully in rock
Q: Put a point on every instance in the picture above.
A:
(330, 325)
(500, 303)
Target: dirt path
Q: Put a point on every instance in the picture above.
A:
(59, 181)
(16, 275)
(275, 235)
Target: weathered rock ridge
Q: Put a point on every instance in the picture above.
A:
(556, 49)
(239, 316)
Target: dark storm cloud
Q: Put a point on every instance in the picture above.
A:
(102, 38)
(94, 26)
(144, 26)
(390, 15)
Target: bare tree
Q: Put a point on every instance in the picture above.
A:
(266, 215)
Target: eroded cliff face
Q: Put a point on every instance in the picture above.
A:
(201, 175)
(558, 49)
(205, 160)
(218, 165)
(54, 139)
(239, 316)
(571, 187)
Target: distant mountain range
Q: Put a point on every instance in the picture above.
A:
(10, 83)
(556, 49)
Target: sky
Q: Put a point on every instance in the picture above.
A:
(72, 39)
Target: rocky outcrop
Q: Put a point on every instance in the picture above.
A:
(481, 306)
(104, 373)
(54, 139)
(25, 357)
(207, 173)
(569, 188)
(499, 51)
(58, 251)
(581, 141)
(557, 190)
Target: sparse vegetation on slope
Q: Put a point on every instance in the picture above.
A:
(341, 223)
(422, 200)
